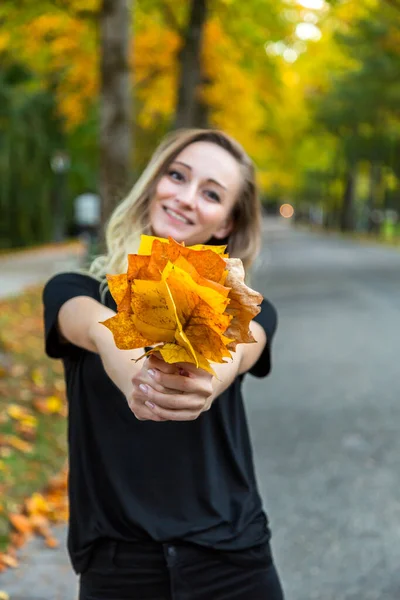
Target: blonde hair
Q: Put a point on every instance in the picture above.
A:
(131, 217)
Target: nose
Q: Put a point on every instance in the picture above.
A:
(187, 195)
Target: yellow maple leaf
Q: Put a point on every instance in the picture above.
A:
(50, 405)
(173, 353)
(146, 244)
(18, 413)
(37, 505)
(29, 421)
(153, 313)
(37, 377)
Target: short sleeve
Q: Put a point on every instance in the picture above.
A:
(57, 291)
(268, 319)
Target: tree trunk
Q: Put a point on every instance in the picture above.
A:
(115, 104)
(347, 211)
(189, 111)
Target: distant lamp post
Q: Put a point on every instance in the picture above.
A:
(87, 219)
(60, 163)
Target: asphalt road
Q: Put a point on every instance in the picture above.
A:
(326, 422)
(325, 426)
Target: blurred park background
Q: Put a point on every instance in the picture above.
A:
(311, 88)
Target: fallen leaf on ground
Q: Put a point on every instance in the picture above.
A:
(38, 378)
(18, 413)
(8, 561)
(49, 406)
(51, 542)
(18, 444)
(21, 523)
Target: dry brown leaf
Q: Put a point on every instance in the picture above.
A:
(8, 561)
(243, 306)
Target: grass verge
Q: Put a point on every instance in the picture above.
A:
(33, 409)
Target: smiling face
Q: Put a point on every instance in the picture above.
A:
(194, 198)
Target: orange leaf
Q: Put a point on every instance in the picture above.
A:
(51, 542)
(18, 444)
(126, 335)
(17, 539)
(20, 523)
(118, 286)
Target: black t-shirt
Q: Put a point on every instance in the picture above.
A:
(129, 480)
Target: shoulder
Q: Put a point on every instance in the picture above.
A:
(57, 291)
(71, 283)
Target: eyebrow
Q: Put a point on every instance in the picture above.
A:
(190, 169)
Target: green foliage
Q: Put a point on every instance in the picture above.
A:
(27, 135)
(359, 108)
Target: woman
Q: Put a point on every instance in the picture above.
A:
(163, 498)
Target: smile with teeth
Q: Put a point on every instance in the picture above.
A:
(177, 216)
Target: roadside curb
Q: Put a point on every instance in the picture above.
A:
(72, 248)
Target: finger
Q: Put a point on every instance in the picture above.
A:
(175, 415)
(153, 379)
(136, 403)
(174, 402)
(185, 368)
(143, 412)
(179, 383)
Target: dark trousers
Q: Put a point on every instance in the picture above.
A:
(151, 571)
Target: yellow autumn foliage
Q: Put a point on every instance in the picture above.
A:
(188, 303)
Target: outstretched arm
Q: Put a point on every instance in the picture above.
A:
(79, 323)
(154, 389)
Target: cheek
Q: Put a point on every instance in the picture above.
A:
(212, 213)
(164, 189)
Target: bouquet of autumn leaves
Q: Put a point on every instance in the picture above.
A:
(190, 304)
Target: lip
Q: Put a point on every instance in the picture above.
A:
(178, 212)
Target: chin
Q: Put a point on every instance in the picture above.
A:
(166, 232)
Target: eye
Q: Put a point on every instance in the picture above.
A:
(174, 174)
(213, 195)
